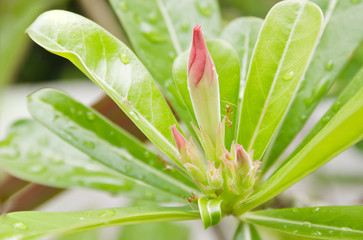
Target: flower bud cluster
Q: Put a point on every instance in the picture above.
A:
(219, 172)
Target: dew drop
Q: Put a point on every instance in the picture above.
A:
(37, 169)
(57, 159)
(147, 154)
(81, 218)
(295, 231)
(91, 116)
(171, 54)
(19, 226)
(34, 152)
(329, 65)
(294, 209)
(153, 17)
(10, 153)
(124, 58)
(185, 26)
(337, 106)
(355, 1)
(303, 118)
(168, 83)
(316, 210)
(346, 229)
(80, 112)
(204, 8)
(307, 224)
(108, 213)
(151, 33)
(325, 119)
(134, 115)
(288, 76)
(89, 144)
(124, 6)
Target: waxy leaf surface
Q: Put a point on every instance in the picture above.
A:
(33, 153)
(113, 67)
(160, 30)
(342, 34)
(33, 225)
(282, 53)
(342, 222)
(98, 137)
(343, 130)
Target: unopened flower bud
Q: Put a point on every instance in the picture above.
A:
(190, 156)
(215, 176)
(203, 86)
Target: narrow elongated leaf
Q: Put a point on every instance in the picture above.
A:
(99, 138)
(227, 66)
(246, 231)
(342, 131)
(31, 225)
(242, 33)
(155, 231)
(319, 222)
(283, 49)
(113, 67)
(160, 30)
(343, 32)
(210, 211)
(352, 89)
(33, 153)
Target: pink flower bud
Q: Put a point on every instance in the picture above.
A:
(203, 86)
(200, 62)
(243, 159)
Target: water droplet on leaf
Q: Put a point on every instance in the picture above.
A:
(124, 58)
(325, 119)
(307, 224)
(108, 213)
(205, 8)
(288, 76)
(151, 33)
(91, 116)
(329, 65)
(37, 168)
(124, 6)
(152, 17)
(337, 106)
(89, 144)
(19, 226)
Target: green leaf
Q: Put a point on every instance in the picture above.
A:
(210, 211)
(113, 67)
(33, 153)
(97, 137)
(226, 62)
(153, 231)
(352, 89)
(160, 29)
(31, 225)
(320, 222)
(342, 24)
(15, 16)
(283, 50)
(242, 33)
(87, 235)
(342, 131)
(246, 231)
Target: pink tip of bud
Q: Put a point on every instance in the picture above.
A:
(179, 138)
(199, 58)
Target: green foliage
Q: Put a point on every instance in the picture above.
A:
(272, 74)
(319, 222)
(30, 225)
